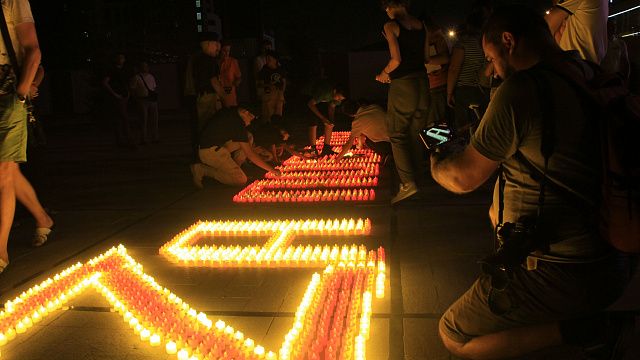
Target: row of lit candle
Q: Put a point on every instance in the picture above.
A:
(277, 251)
(342, 227)
(338, 138)
(259, 196)
(326, 174)
(316, 183)
(370, 168)
(371, 158)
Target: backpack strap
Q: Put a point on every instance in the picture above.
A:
(8, 44)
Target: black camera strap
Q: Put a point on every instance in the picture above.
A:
(8, 44)
(547, 147)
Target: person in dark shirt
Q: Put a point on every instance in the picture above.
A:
(274, 82)
(556, 290)
(408, 99)
(116, 83)
(224, 145)
(273, 137)
(321, 91)
(205, 72)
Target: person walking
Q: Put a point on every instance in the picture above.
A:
(20, 60)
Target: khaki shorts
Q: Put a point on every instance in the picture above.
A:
(551, 293)
(13, 129)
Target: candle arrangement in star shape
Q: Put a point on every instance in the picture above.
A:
(321, 179)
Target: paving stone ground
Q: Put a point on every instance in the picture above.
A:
(102, 196)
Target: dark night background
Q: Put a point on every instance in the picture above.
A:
(81, 35)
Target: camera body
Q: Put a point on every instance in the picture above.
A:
(515, 242)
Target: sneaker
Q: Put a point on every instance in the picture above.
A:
(406, 191)
(197, 175)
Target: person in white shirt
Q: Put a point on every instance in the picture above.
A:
(580, 25)
(370, 128)
(144, 90)
(617, 58)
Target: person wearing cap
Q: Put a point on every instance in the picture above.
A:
(205, 72)
(274, 83)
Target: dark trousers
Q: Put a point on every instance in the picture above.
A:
(465, 120)
(406, 115)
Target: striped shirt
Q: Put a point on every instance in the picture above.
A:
(473, 59)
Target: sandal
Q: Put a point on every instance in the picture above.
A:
(41, 236)
(3, 265)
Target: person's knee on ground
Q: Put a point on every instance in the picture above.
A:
(238, 180)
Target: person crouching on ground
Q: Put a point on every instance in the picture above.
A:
(224, 146)
(370, 128)
(322, 92)
(273, 138)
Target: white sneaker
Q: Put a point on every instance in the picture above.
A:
(198, 174)
(406, 191)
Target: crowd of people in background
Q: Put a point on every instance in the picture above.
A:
(134, 88)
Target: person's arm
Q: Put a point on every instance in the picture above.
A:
(289, 148)
(556, 19)
(28, 40)
(442, 52)
(457, 57)
(37, 80)
(256, 159)
(346, 147)
(238, 74)
(462, 172)
(274, 152)
(106, 82)
(217, 86)
(314, 108)
(391, 31)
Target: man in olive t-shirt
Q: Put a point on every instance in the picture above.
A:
(558, 300)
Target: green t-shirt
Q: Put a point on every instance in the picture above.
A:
(513, 123)
(321, 91)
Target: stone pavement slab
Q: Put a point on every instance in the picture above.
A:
(104, 196)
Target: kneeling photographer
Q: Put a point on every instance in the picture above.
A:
(551, 275)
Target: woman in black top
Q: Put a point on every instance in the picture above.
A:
(408, 91)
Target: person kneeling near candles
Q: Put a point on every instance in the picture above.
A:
(224, 146)
(370, 128)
